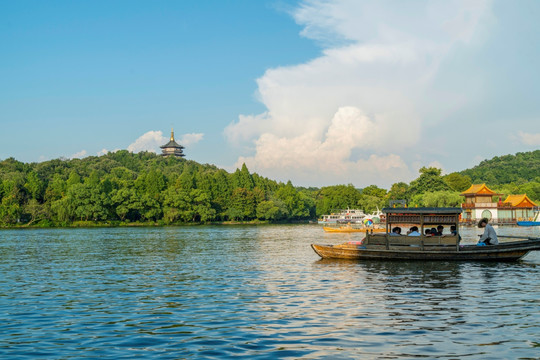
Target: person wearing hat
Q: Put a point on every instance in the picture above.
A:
(489, 237)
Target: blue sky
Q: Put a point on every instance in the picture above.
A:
(318, 92)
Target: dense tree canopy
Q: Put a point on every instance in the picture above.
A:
(123, 187)
(143, 187)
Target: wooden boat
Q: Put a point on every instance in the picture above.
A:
(350, 229)
(387, 246)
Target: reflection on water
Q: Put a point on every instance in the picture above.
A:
(256, 292)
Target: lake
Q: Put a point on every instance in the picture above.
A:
(259, 292)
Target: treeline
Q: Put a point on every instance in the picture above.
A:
(518, 169)
(144, 187)
(123, 187)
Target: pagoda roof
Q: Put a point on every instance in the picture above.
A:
(520, 201)
(172, 144)
(479, 189)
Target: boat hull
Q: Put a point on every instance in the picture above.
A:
(502, 252)
(528, 223)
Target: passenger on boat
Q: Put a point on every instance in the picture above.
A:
(433, 232)
(427, 232)
(396, 231)
(453, 231)
(489, 237)
(413, 231)
(440, 229)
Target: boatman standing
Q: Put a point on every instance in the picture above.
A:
(489, 237)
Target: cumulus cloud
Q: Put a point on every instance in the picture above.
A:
(78, 155)
(529, 138)
(191, 139)
(357, 110)
(149, 141)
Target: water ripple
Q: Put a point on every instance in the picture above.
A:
(256, 292)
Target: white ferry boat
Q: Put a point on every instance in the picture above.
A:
(349, 215)
(353, 216)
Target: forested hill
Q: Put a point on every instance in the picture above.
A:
(518, 168)
(124, 187)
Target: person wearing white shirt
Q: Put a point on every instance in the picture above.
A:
(489, 237)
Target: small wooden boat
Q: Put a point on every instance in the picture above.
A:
(387, 246)
(350, 229)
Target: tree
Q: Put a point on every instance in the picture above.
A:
(293, 201)
(126, 203)
(458, 182)
(429, 180)
(34, 186)
(272, 210)
(441, 199)
(398, 191)
(10, 210)
(373, 190)
(332, 198)
(243, 201)
(73, 179)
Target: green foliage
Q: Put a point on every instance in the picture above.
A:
(144, 187)
(398, 191)
(332, 198)
(518, 168)
(430, 180)
(437, 199)
(458, 182)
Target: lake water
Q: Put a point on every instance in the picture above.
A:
(257, 292)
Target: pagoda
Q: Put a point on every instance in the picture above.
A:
(172, 148)
(479, 203)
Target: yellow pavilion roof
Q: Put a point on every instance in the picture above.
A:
(520, 201)
(479, 189)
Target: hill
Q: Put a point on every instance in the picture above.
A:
(518, 168)
(123, 187)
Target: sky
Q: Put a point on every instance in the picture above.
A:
(319, 92)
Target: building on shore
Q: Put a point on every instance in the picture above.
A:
(517, 208)
(172, 148)
(479, 203)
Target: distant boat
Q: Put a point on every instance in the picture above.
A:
(344, 216)
(350, 229)
(352, 216)
(534, 221)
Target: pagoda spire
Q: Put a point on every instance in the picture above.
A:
(172, 134)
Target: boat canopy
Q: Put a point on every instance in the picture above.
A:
(424, 215)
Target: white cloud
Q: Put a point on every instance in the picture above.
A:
(149, 141)
(191, 139)
(78, 155)
(357, 110)
(529, 139)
